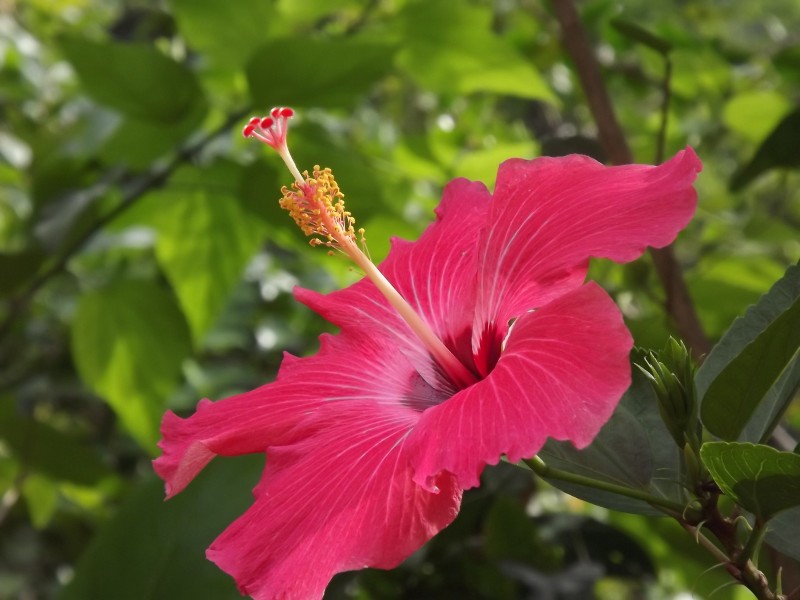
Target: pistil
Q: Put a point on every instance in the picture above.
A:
(317, 206)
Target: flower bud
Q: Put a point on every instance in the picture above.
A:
(671, 373)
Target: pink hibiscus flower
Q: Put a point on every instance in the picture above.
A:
(480, 339)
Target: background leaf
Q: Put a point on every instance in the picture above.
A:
(762, 479)
(135, 79)
(451, 49)
(205, 239)
(778, 150)
(311, 72)
(754, 365)
(129, 340)
(160, 557)
(634, 449)
(245, 24)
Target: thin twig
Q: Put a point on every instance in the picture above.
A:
(679, 305)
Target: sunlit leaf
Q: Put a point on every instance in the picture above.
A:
(762, 479)
(128, 341)
(205, 239)
(450, 48)
(41, 497)
(481, 165)
(754, 114)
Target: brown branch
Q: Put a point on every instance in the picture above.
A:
(679, 305)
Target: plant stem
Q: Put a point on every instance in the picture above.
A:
(538, 466)
(706, 543)
(753, 543)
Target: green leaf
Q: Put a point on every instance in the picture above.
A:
(46, 450)
(129, 340)
(302, 71)
(41, 496)
(761, 479)
(511, 535)
(153, 549)
(244, 28)
(639, 34)
(136, 143)
(634, 449)
(205, 239)
(754, 114)
(753, 370)
(450, 48)
(135, 79)
(778, 150)
(481, 165)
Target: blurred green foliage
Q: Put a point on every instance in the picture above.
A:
(144, 263)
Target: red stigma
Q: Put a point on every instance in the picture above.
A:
(270, 129)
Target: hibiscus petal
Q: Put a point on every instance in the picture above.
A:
(340, 499)
(550, 215)
(269, 415)
(436, 275)
(561, 375)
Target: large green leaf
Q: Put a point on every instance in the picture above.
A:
(761, 479)
(136, 143)
(634, 449)
(302, 71)
(778, 150)
(226, 32)
(152, 550)
(450, 48)
(129, 340)
(135, 79)
(751, 375)
(205, 239)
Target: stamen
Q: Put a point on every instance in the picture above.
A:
(317, 206)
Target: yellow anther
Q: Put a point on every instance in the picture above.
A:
(317, 206)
